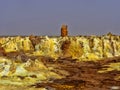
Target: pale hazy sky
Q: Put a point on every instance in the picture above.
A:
(44, 17)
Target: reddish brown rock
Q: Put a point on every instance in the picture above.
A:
(35, 40)
(2, 51)
(65, 48)
(64, 31)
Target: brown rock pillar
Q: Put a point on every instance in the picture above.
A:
(2, 51)
(64, 31)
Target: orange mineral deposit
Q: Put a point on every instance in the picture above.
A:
(64, 31)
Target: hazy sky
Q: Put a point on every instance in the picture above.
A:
(44, 17)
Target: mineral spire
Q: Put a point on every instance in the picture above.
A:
(64, 30)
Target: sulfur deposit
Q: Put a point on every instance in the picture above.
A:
(60, 63)
(80, 47)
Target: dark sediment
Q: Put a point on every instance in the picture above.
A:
(81, 75)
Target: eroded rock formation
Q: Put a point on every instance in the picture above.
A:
(80, 47)
(60, 63)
